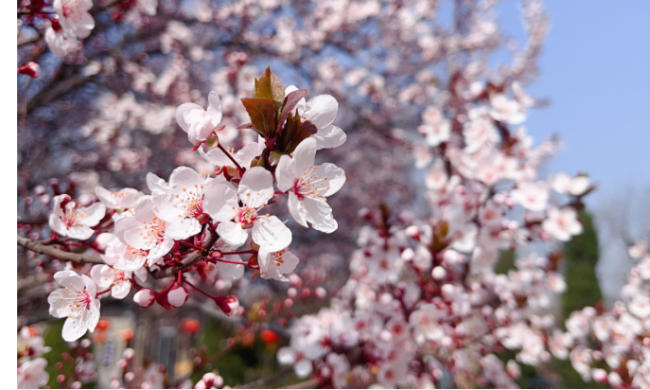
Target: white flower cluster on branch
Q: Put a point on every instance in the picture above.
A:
(206, 218)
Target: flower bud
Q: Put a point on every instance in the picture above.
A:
(438, 273)
(228, 304)
(144, 297)
(31, 69)
(177, 296)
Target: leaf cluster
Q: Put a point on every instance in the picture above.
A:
(273, 118)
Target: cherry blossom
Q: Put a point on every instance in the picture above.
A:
(309, 185)
(76, 301)
(125, 198)
(255, 190)
(182, 208)
(68, 219)
(321, 111)
(119, 282)
(565, 184)
(197, 122)
(32, 374)
(275, 265)
(562, 223)
(74, 17)
(146, 231)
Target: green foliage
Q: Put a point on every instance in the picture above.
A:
(580, 257)
(242, 364)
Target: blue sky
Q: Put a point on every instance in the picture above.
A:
(595, 71)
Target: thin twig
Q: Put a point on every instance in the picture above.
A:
(37, 247)
(268, 380)
(188, 260)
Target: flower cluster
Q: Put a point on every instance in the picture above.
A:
(613, 346)
(31, 366)
(197, 220)
(425, 298)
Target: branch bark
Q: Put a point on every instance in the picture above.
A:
(37, 247)
(188, 260)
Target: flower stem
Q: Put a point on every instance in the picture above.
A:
(233, 262)
(227, 153)
(199, 290)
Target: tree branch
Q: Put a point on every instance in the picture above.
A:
(310, 384)
(265, 381)
(37, 247)
(188, 260)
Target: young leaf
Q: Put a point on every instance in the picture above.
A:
(289, 104)
(262, 113)
(306, 130)
(269, 86)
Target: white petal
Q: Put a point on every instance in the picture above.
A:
(69, 279)
(335, 178)
(231, 271)
(73, 329)
(185, 177)
(92, 317)
(101, 276)
(180, 114)
(157, 185)
(106, 197)
(285, 173)
(304, 155)
(272, 233)
(214, 109)
(144, 210)
(165, 209)
(289, 263)
(232, 233)
(91, 287)
(80, 232)
(322, 110)
(256, 187)
(121, 290)
(330, 137)
(182, 229)
(221, 202)
(319, 214)
(296, 209)
(57, 225)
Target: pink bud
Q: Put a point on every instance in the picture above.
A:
(31, 69)
(177, 296)
(439, 273)
(320, 292)
(144, 297)
(413, 232)
(228, 304)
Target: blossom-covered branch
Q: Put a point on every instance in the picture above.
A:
(58, 253)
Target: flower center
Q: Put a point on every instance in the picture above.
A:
(72, 217)
(77, 302)
(191, 202)
(308, 185)
(72, 10)
(277, 257)
(246, 216)
(154, 231)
